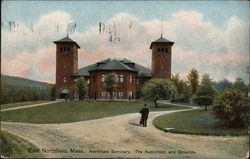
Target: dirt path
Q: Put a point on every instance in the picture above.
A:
(124, 136)
(28, 106)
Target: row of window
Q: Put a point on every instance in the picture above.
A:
(104, 94)
(119, 78)
(64, 49)
(162, 50)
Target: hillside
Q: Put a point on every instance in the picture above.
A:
(16, 89)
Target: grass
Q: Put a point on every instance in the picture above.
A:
(198, 122)
(16, 147)
(13, 105)
(64, 112)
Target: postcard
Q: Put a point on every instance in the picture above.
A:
(125, 79)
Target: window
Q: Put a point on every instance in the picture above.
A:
(166, 50)
(130, 79)
(158, 49)
(64, 49)
(64, 79)
(117, 78)
(120, 94)
(162, 49)
(121, 78)
(64, 66)
(68, 49)
(114, 94)
(162, 67)
(61, 49)
(103, 78)
(103, 94)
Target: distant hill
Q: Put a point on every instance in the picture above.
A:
(16, 89)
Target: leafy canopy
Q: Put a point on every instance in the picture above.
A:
(110, 82)
(193, 80)
(156, 89)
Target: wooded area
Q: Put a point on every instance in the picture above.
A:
(16, 89)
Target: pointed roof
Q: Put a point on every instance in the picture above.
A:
(114, 65)
(67, 39)
(161, 40)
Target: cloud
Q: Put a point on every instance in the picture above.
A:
(198, 43)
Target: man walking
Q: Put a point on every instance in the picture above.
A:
(144, 115)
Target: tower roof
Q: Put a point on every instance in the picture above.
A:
(161, 40)
(67, 39)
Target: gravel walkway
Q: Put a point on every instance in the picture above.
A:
(28, 106)
(122, 137)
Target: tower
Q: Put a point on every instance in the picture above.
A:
(161, 58)
(66, 67)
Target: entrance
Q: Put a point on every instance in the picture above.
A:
(64, 92)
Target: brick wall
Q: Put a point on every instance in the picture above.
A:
(66, 66)
(161, 60)
(97, 86)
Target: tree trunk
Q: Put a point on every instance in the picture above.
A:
(111, 94)
(155, 101)
(205, 108)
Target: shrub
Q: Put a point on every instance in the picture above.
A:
(5, 146)
(232, 109)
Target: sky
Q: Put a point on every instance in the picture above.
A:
(211, 36)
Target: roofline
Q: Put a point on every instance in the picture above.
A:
(112, 70)
(153, 43)
(56, 42)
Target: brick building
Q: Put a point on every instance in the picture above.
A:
(129, 75)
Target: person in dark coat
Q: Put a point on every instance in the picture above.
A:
(144, 115)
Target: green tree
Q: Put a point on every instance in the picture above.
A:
(156, 89)
(232, 108)
(81, 87)
(193, 80)
(240, 85)
(223, 85)
(180, 84)
(110, 83)
(53, 92)
(205, 93)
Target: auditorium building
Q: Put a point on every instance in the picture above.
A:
(128, 73)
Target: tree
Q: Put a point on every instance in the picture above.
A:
(232, 108)
(156, 89)
(53, 92)
(193, 80)
(110, 84)
(223, 85)
(81, 87)
(180, 84)
(205, 93)
(240, 85)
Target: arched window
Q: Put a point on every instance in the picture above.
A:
(159, 49)
(64, 79)
(121, 78)
(103, 78)
(162, 49)
(166, 50)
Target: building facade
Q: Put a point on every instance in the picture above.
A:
(129, 75)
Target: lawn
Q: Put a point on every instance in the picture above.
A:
(195, 122)
(16, 147)
(64, 112)
(12, 105)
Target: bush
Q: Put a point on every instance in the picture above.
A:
(232, 109)
(5, 146)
